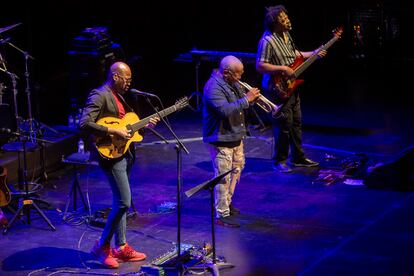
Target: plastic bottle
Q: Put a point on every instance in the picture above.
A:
(71, 122)
(81, 146)
(78, 116)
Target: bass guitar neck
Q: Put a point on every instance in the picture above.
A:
(285, 87)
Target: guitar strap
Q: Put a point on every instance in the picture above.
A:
(294, 45)
(124, 102)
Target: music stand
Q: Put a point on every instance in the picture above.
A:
(209, 185)
(27, 202)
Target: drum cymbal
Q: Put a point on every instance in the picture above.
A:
(9, 27)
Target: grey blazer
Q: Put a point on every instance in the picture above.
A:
(100, 103)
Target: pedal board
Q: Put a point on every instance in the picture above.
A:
(170, 258)
(167, 263)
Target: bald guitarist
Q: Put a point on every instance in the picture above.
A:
(108, 101)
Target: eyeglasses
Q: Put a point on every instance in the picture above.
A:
(127, 80)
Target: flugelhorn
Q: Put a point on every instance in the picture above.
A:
(262, 101)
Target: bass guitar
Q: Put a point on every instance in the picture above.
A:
(286, 86)
(113, 146)
(5, 195)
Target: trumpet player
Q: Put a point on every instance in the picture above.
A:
(224, 130)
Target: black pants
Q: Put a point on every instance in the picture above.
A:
(287, 131)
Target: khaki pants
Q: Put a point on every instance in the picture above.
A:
(225, 159)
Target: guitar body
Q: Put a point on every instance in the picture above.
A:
(113, 146)
(285, 86)
(5, 195)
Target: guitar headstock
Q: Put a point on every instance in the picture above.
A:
(181, 103)
(338, 32)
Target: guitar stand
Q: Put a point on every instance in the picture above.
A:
(26, 204)
(18, 190)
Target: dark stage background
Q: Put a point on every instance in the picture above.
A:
(361, 75)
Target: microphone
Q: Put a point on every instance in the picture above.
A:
(4, 40)
(141, 93)
(5, 130)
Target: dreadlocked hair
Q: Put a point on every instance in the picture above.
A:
(272, 13)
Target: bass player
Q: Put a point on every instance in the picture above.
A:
(276, 51)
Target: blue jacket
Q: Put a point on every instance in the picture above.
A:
(223, 115)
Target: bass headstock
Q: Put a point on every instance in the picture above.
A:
(338, 32)
(181, 103)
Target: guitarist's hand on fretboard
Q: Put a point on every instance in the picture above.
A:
(153, 122)
(321, 53)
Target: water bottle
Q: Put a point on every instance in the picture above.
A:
(71, 121)
(77, 120)
(78, 116)
(81, 146)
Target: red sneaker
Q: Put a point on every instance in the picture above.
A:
(128, 254)
(104, 255)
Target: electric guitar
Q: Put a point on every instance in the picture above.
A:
(286, 86)
(5, 195)
(113, 146)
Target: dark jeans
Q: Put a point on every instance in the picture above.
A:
(117, 172)
(287, 131)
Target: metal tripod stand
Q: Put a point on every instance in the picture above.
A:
(26, 203)
(29, 126)
(32, 125)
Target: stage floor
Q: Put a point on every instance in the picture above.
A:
(291, 223)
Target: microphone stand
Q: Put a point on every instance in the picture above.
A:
(156, 133)
(27, 202)
(31, 121)
(28, 92)
(178, 147)
(14, 79)
(32, 124)
(16, 113)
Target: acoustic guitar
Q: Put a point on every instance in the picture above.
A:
(113, 146)
(286, 86)
(5, 195)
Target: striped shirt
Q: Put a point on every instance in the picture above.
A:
(274, 50)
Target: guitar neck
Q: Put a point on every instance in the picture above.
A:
(314, 57)
(142, 123)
